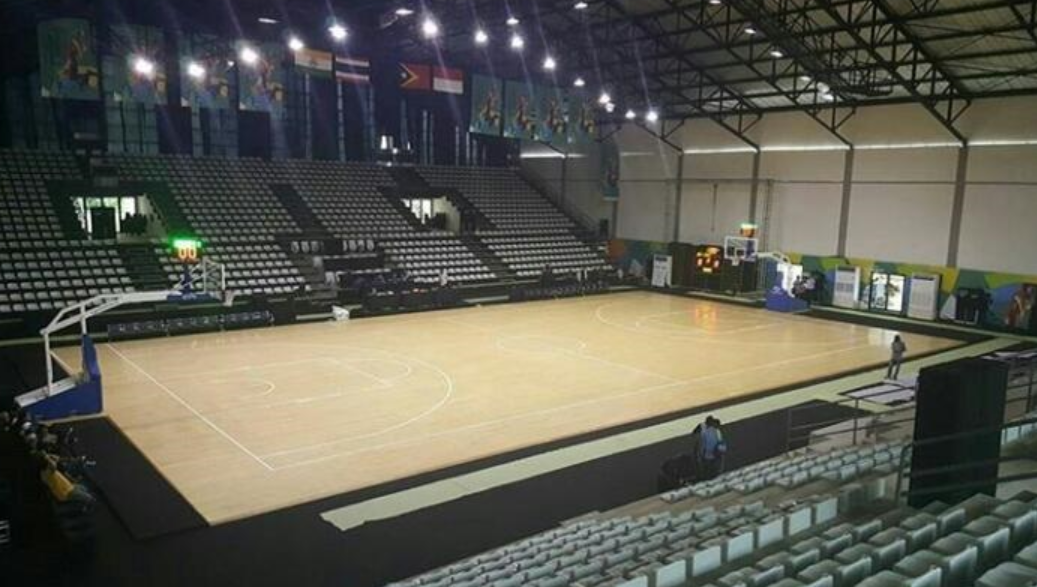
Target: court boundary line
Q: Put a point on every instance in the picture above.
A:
(191, 408)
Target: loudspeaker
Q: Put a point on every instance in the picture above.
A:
(954, 399)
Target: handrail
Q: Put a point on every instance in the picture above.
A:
(909, 448)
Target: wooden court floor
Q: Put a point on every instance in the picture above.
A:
(247, 422)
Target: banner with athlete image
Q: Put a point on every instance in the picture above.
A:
(138, 65)
(68, 61)
(520, 111)
(206, 72)
(263, 81)
(554, 117)
(582, 118)
(610, 170)
(487, 102)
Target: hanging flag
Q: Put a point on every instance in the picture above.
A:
(313, 62)
(353, 70)
(68, 62)
(415, 77)
(447, 80)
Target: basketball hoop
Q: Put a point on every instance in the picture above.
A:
(740, 248)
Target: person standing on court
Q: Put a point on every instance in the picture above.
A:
(712, 449)
(896, 357)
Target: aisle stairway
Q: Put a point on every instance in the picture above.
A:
(142, 263)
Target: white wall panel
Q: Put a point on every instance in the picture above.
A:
(802, 165)
(644, 207)
(932, 164)
(718, 166)
(999, 228)
(708, 219)
(804, 217)
(906, 223)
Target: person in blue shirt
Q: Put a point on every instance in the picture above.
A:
(712, 448)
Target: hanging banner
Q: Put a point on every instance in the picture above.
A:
(68, 61)
(582, 114)
(206, 72)
(262, 82)
(313, 62)
(610, 170)
(554, 120)
(138, 65)
(486, 106)
(520, 107)
(353, 70)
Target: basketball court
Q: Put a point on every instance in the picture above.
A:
(247, 422)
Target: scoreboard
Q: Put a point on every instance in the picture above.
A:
(186, 250)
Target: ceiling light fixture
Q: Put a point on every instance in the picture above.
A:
(338, 32)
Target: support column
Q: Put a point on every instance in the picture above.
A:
(960, 179)
(754, 188)
(678, 197)
(844, 209)
(563, 189)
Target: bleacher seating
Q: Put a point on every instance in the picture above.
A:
(502, 196)
(345, 198)
(232, 205)
(46, 276)
(423, 258)
(526, 255)
(26, 211)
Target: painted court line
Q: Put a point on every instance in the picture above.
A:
(191, 409)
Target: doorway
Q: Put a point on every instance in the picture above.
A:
(887, 292)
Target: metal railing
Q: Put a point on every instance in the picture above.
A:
(905, 473)
(1020, 398)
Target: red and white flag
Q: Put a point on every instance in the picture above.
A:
(447, 80)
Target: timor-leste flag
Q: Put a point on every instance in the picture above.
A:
(415, 77)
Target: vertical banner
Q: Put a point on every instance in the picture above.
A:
(610, 170)
(582, 116)
(138, 72)
(554, 123)
(206, 76)
(520, 107)
(68, 61)
(486, 112)
(262, 83)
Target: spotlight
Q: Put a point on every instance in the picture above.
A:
(580, 6)
(715, 2)
(549, 63)
(512, 21)
(805, 79)
(517, 42)
(481, 38)
(338, 32)
(775, 53)
(579, 83)
(630, 115)
(429, 28)
(143, 66)
(604, 99)
(404, 12)
(610, 107)
(195, 70)
(248, 56)
(267, 20)
(823, 87)
(827, 98)
(750, 30)
(652, 115)
(296, 44)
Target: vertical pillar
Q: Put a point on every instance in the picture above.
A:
(678, 197)
(960, 179)
(563, 189)
(844, 209)
(754, 187)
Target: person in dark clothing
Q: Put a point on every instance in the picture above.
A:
(896, 357)
(712, 448)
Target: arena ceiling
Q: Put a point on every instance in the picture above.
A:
(728, 60)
